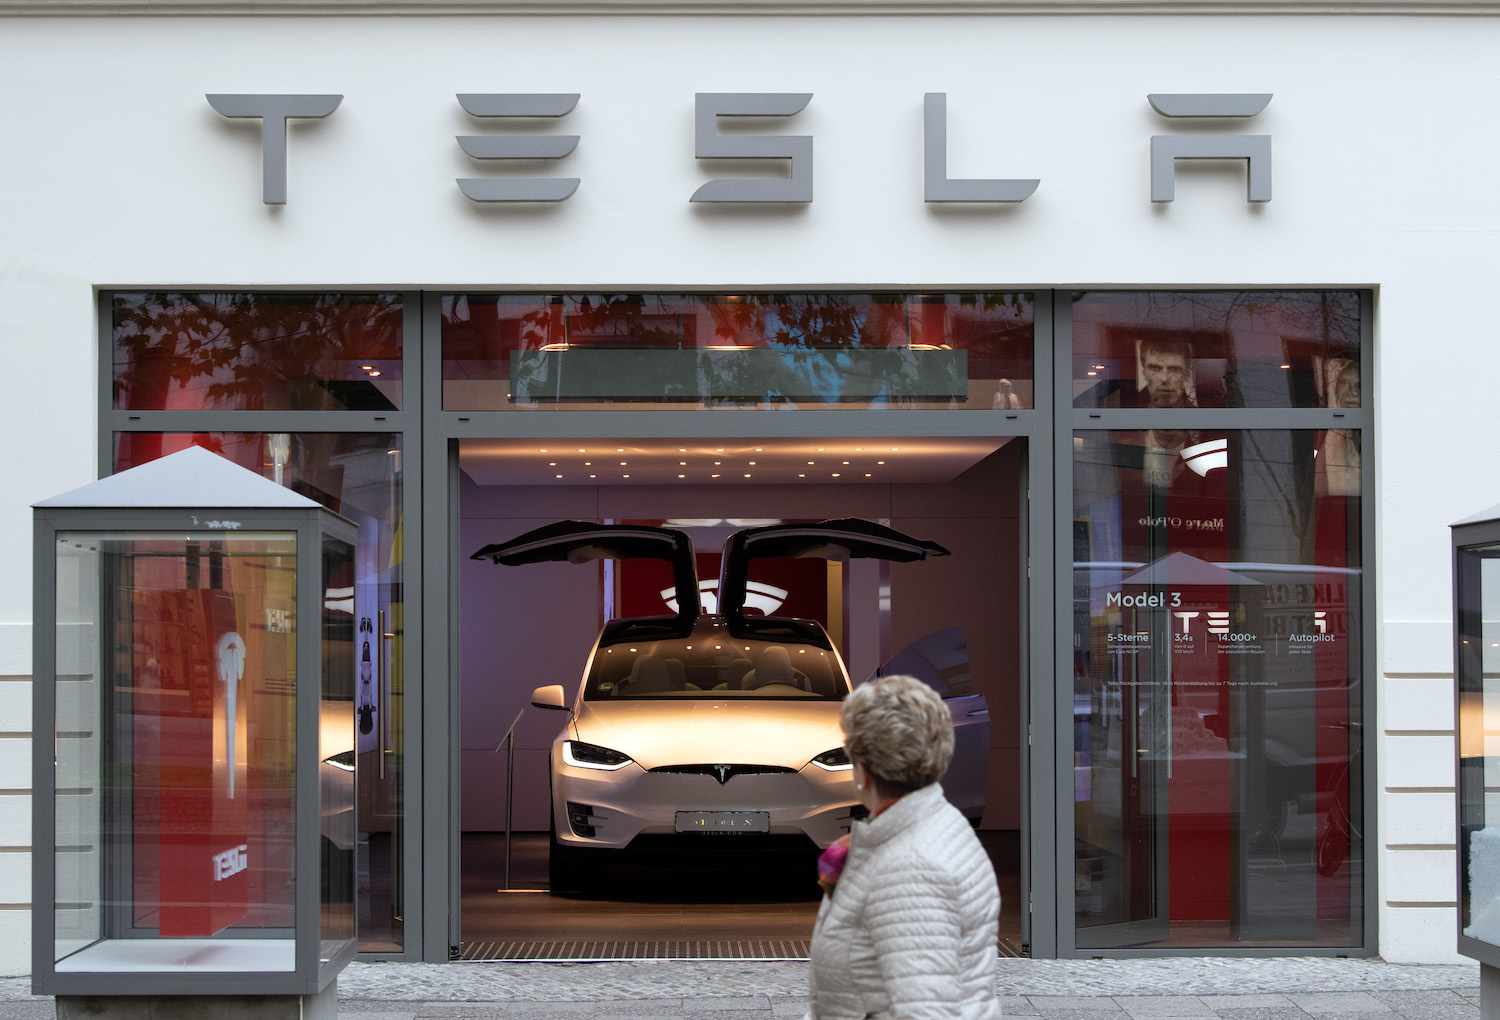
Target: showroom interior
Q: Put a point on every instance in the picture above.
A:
(1015, 429)
(962, 492)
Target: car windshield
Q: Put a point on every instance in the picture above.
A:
(714, 667)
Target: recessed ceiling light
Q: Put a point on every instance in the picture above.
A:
(880, 462)
(835, 474)
(593, 476)
(846, 463)
(682, 463)
(624, 476)
(559, 476)
(681, 450)
(622, 464)
(679, 476)
(747, 474)
(713, 476)
(752, 463)
(801, 476)
(544, 451)
(552, 463)
(582, 450)
(867, 474)
(588, 463)
(809, 462)
(859, 449)
(758, 450)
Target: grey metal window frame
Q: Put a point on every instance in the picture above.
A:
(1069, 419)
(432, 879)
(406, 422)
(443, 430)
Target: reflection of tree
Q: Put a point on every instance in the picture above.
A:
(776, 347)
(1271, 340)
(253, 351)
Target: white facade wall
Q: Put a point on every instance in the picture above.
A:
(116, 172)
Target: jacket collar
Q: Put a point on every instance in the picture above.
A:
(900, 816)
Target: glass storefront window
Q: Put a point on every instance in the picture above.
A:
(1216, 349)
(337, 756)
(265, 351)
(1217, 661)
(358, 475)
(1478, 585)
(582, 351)
(176, 752)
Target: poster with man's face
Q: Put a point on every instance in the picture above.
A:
(1164, 373)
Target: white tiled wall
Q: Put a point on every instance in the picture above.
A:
(1417, 855)
(15, 798)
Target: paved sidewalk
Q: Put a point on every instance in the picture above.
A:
(1273, 989)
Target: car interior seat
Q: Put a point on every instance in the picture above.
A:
(774, 666)
(735, 674)
(651, 675)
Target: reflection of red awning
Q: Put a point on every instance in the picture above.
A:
(1181, 569)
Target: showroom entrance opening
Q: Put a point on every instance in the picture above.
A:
(650, 751)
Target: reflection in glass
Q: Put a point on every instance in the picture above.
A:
(176, 751)
(358, 475)
(1217, 637)
(1216, 349)
(1478, 570)
(570, 351)
(266, 351)
(336, 749)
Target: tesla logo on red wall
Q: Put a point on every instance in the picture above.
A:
(758, 595)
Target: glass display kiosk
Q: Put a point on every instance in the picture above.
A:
(194, 809)
(1476, 645)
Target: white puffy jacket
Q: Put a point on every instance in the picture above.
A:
(911, 927)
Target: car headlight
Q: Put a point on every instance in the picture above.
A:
(836, 760)
(592, 756)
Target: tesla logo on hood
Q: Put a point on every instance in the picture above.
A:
(723, 772)
(758, 595)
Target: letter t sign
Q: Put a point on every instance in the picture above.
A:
(273, 112)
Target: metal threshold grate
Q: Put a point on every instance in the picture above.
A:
(598, 950)
(507, 950)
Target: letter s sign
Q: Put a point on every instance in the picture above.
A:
(712, 145)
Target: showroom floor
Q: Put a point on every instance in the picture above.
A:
(646, 914)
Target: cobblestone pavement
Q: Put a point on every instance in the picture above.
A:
(1266, 989)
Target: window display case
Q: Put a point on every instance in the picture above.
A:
(1476, 645)
(195, 664)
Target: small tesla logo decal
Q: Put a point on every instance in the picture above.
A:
(723, 773)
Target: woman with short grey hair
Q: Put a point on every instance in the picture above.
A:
(907, 927)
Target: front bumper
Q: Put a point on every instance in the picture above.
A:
(631, 801)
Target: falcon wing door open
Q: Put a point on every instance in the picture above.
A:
(582, 541)
(845, 539)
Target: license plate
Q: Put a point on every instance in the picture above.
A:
(723, 821)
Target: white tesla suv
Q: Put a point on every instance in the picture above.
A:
(692, 732)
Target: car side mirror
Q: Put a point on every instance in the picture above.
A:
(550, 696)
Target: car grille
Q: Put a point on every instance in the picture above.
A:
(724, 773)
